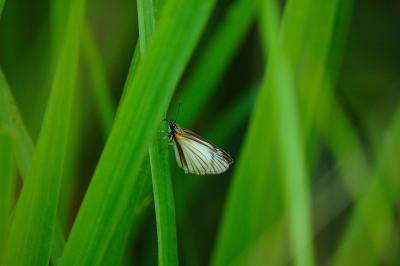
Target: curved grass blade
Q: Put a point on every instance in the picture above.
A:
(247, 199)
(159, 158)
(232, 20)
(10, 118)
(35, 215)
(293, 164)
(140, 111)
(164, 201)
(294, 24)
(7, 182)
(261, 200)
(290, 144)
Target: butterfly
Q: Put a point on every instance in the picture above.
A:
(196, 155)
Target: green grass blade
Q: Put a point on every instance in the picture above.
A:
(139, 114)
(250, 199)
(58, 16)
(372, 224)
(58, 24)
(309, 80)
(116, 248)
(10, 118)
(261, 200)
(57, 245)
(132, 69)
(290, 146)
(294, 164)
(99, 85)
(7, 182)
(341, 138)
(35, 214)
(127, 228)
(294, 25)
(146, 22)
(163, 200)
(159, 159)
(215, 59)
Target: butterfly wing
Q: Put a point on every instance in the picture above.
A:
(196, 155)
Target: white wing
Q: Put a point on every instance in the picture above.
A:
(197, 156)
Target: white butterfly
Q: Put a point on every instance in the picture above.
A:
(195, 154)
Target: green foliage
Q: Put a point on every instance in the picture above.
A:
(303, 95)
(7, 180)
(215, 58)
(163, 200)
(10, 118)
(35, 213)
(100, 89)
(2, 6)
(159, 158)
(116, 174)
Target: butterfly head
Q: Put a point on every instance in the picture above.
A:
(173, 128)
(171, 125)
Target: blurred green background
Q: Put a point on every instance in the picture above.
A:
(303, 94)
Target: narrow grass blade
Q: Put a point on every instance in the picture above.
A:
(159, 159)
(58, 25)
(294, 165)
(132, 69)
(164, 201)
(99, 85)
(71, 170)
(295, 25)
(139, 114)
(7, 182)
(309, 80)
(35, 215)
(260, 200)
(215, 58)
(290, 146)
(313, 76)
(249, 208)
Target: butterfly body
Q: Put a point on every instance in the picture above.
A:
(195, 154)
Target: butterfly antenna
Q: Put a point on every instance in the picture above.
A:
(178, 111)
